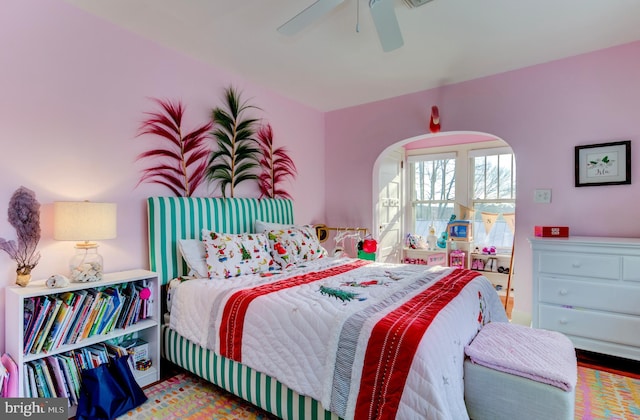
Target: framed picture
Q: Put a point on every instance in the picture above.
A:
(603, 164)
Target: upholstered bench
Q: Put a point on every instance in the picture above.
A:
(517, 372)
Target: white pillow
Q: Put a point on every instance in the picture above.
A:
(194, 255)
(261, 227)
(230, 255)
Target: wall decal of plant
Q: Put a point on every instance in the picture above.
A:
(276, 165)
(237, 155)
(183, 159)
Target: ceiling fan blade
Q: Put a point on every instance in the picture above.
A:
(384, 17)
(308, 16)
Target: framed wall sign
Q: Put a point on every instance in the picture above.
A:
(603, 164)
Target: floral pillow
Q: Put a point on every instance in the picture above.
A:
(294, 245)
(236, 255)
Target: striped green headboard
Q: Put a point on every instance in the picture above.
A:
(173, 218)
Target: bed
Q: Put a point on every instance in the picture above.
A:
(319, 340)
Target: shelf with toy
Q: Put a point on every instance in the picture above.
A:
(490, 262)
(424, 256)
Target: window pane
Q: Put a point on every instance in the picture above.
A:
(479, 178)
(505, 170)
(500, 234)
(434, 180)
(493, 194)
(436, 214)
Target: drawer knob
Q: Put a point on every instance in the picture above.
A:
(563, 321)
(563, 292)
(576, 265)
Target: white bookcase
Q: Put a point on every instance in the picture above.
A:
(147, 329)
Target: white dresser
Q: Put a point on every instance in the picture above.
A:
(589, 289)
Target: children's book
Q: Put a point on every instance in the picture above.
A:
(83, 313)
(95, 308)
(57, 325)
(76, 305)
(102, 310)
(41, 383)
(31, 387)
(42, 310)
(59, 382)
(115, 305)
(44, 331)
(72, 374)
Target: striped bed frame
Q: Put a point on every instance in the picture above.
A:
(173, 218)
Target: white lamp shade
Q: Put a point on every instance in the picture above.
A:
(83, 221)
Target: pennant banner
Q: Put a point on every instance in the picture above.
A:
(510, 218)
(466, 213)
(489, 219)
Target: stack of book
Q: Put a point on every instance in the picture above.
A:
(70, 317)
(59, 376)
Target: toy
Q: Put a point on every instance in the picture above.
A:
(416, 242)
(456, 258)
(460, 230)
(432, 240)
(442, 241)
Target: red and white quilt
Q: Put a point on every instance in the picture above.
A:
(367, 340)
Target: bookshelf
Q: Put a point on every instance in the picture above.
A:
(143, 319)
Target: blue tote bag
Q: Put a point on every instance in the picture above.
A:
(108, 391)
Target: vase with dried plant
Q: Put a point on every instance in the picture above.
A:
(183, 156)
(276, 166)
(24, 216)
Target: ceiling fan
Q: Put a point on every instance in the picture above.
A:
(382, 12)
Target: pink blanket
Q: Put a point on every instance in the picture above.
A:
(540, 355)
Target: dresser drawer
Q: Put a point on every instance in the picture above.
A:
(581, 265)
(615, 328)
(604, 296)
(631, 268)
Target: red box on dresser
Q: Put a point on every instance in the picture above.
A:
(552, 231)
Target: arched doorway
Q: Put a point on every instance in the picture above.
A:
(397, 212)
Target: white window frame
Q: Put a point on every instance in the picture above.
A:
(484, 152)
(464, 173)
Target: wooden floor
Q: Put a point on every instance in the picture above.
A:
(609, 363)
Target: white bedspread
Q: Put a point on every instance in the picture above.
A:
(293, 335)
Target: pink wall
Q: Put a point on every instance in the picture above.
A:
(73, 90)
(543, 112)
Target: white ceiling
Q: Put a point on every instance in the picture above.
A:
(330, 66)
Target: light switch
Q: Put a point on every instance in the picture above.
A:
(542, 196)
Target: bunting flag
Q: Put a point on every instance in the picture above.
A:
(489, 219)
(510, 218)
(466, 213)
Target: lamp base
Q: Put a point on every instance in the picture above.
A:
(86, 265)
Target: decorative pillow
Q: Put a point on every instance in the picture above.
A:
(194, 255)
(294, 245)
(236, 255)
(262, 227)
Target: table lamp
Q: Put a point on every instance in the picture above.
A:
(86, 222)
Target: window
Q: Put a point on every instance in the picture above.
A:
(479, 179)
(493, 196)
(433, 191)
